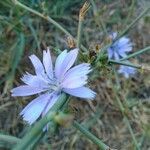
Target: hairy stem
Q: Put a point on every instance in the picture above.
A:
(38, 127)
(123, 111)
(124, 63)
(95, 11)
(136, 53)
(9, 139)
(132, 24)
(90, 136)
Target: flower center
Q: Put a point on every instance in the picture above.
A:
(54, 85)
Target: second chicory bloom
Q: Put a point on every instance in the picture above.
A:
(119, 48)
(50, 82)
(127, 71)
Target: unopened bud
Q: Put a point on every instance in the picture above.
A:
(64, 119)
(71, 42)
(145, 67)
(84, 10)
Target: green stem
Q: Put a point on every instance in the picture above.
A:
(49, 19)
(123, 111)
(124, 63)
(36, 141)
(131, 10)
(8, 140)
(95, 11)
(38, 127)
(131, 132)
(136, 53)
(90, 136)
(132, 24)
(34, 33)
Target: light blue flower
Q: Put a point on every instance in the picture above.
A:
(119, 48)
(127, 71)
(49, 83)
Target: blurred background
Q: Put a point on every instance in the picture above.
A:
(23, 33)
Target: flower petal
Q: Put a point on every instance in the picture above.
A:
(124, 42)
(113, 35)
(26, 90)
(123, 54)
(74, 82)
(116, 56)
(82, 92)
(54, 97)
(127, 71)
(110, 53)
(35, 108)
(47, 61)
(68, 61)
(34, 81)
(59, 62)
(79, 70)
(39, 69)
(76, 76)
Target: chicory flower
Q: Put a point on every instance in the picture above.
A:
(127, 71)
(49, 82)
(119, 48)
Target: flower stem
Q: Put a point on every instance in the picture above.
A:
(131, 132)
(38, 127)
(49, 19)
(136, 53)
(124, 63)
(132, 24)
(7, 139)
(90, 136)
(95, 11)
(123, 111)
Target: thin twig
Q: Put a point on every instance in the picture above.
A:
(124, 63)
(122, 109)
(136, 53)
(90, 136)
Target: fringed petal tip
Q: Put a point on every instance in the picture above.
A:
(92, 95)
(28, 122)
(35, 108)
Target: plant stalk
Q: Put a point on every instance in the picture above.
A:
(124, 63)
(90, 136)
(136, 53)
(38, 127)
